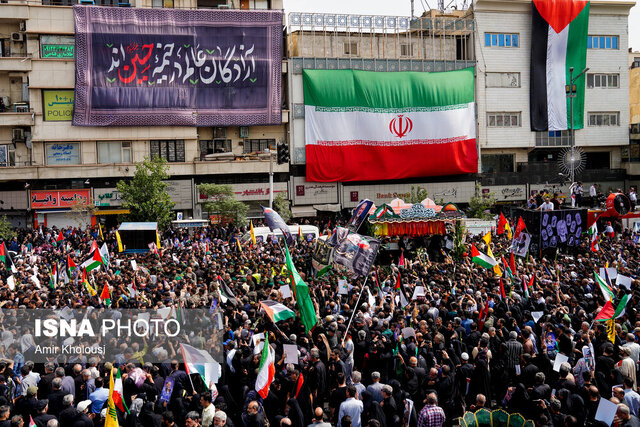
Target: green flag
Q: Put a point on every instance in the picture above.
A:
(301, 292)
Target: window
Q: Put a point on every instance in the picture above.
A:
(114, 152)
(597, 160)
(557, 138)
(604, 80)
(502, 80)
(602, 42)
(351, 48)
(501, 40)
(158, 4)
(636, 62)
(503, 120)
(406, 49)
(211, 4)
(258, 145)
(7, 155)
(497, 163)
(170, 150)
(604, 119)
(62, 153)
(214, 147)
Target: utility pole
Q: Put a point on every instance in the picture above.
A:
(571, 90)
(270, 179)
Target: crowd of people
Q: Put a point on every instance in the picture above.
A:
(474, 340)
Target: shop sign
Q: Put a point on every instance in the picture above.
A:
(51, 199)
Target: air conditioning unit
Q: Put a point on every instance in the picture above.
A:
(17, 135)
(244, 131)
(17, 37)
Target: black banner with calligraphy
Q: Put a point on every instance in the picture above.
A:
(161, 67)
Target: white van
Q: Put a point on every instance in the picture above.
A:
(309, 233)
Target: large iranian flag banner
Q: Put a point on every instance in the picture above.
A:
(366, 125)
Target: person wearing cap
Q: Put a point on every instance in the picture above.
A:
(83, 418)
(42, 418)
(26, 405)
(464, 373)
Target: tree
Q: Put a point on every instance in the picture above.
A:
(418, 194)
(6, 229)
(224, 203)
(281, 205)
(480, 203)
(146, 194)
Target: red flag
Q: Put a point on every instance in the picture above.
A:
(398, 284)
(504, 264)
(521, 226)
(501, 223)
(502, 294)
(105, 293)
(607, 312)
(401, 262)
(60, 238)
(94, 247)
(512, 264)
(533, 278)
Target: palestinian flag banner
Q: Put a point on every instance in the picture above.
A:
(559, 42)
(71, 265)
(608, 312)
(200, 362)
(367, 125)
(94, 262)
(605, 288)
(277, 312)
(59, 239)
(481, 259)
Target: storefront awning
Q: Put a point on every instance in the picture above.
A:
(112, 212)
(301, 211)
(49, 211)
(328, 207)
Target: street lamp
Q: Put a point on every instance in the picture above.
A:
(571, 90)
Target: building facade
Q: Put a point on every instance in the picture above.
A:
(41, 150)
(509, 151)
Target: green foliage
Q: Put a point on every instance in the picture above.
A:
(224, 203)
(146, 194)
(6, 229)
(418, 194)
(479, 203)
(281, 205)
(459, 248)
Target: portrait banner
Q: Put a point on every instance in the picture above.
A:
(163, 67)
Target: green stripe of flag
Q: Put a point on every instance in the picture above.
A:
(349, 88)
(577, 58)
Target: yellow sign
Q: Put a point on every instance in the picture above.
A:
(57, 105)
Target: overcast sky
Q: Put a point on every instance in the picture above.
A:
(403, 8)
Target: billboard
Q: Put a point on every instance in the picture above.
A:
(163, 67)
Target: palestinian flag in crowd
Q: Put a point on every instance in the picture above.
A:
(481, 259)
(200, 362)
(266, 371)
(31, 422)
(6, 259)
(277, 312)
(605, 288)
(105, 295)
(559, 42)
(367, 126)
(94, 262)
(118, 393)
(593, 232)
(53, 277)
(70, 265)
(398, 284)
(104, 254)
(301, 292)
(94, 246)
(608, 313)
(59, 239)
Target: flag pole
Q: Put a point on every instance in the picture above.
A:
(364, 285)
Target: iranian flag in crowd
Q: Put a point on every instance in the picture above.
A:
(365, 125)
(266, 371)
(118, 393)
(558, 43)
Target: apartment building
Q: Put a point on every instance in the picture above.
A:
(509, 151)
(43, 155)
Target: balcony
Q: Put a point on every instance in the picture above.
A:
(15, 63)
(11, 118)
(14, 11)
